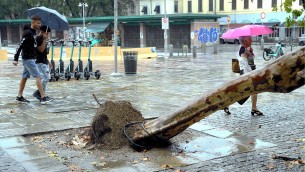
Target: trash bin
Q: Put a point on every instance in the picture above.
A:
(130, 62)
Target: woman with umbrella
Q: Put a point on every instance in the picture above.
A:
(246, 62)
(246, 54)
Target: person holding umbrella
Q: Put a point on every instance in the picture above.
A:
(246, 54)
(246, 62)
(28, 45)
(42, 61)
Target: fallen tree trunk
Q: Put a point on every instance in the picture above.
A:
(279, 77)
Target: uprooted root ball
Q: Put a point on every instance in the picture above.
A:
(109, 122)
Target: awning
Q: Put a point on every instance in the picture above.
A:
(246, 21)
(269, 24)
(97, 27)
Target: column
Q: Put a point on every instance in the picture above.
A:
(20, 32)
(142, 35)
(192, 30)
(9, 34)
(282, 33)
(122, 34)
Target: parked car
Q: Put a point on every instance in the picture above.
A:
(233, 41)
(302, 40)
(223, 41)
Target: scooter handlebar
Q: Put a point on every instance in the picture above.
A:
(62, 42)
(53, 42)
(81, 43)
(74, 42)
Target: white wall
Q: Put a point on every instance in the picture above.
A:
(151, 4)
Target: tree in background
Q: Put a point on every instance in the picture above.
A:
(295, 19)
(69, 8)
(296, 13)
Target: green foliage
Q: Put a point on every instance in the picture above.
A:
(296, 13)
(289, 22)
(69, 8)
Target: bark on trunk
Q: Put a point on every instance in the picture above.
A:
(278, 77)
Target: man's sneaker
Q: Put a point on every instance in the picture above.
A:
(21, 100)
(44, 100)
(49, 98)
(36, 94)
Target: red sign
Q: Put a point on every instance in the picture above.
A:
(165, 23)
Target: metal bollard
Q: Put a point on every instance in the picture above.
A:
(203, 46)
(262, 43)
(185, 50)
(194, 51)
(171, 49)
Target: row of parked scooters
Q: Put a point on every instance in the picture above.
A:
(66, 74)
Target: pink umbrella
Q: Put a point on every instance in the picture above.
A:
(247, 30)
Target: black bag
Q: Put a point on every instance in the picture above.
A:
(242, 101)
(253, 67)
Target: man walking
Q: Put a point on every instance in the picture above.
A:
(28, 45)
(42, 61)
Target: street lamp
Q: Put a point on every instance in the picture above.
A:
(83, 4)
(165, 33)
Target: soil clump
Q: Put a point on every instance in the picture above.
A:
(109, 122)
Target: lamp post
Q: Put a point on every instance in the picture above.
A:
(165, 33)
(115, 37)
(83, 5)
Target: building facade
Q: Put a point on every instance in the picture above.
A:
(191, 22)
(238, 12)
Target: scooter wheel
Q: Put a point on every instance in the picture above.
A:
(77, 75)
(51, 79)
(97, 74)
(68, 76)
(87, 75)
(56, 76)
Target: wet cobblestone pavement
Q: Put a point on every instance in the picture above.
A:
(237, 142)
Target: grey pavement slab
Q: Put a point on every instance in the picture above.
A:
(26, 153)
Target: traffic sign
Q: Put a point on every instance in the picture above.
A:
(165, 23)
(263, 15)
(192, 35)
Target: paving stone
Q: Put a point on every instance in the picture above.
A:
(25, 153)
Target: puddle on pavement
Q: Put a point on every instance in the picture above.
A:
(205, 148)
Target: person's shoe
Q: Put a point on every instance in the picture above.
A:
(21, 100)
(256, 112)
(36, 94)
(49, 98)
(226, 110)
(44, 100)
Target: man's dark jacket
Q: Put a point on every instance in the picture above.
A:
(28, 44)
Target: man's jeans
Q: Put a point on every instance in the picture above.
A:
(45, 74)
(30, 69)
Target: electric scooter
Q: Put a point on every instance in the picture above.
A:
(70, 68)
(60, 69)
(88, 69)
(53, 72)
(79, 69)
